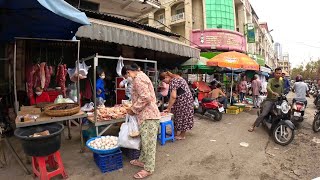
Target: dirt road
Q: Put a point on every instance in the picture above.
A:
(210, 152)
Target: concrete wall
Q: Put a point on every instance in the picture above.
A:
(197, 14)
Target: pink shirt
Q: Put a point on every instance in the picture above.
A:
(243, 86)
(143, 98)
(164, 89)
(256, 86)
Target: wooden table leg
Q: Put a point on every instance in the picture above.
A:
(81, 137)
(69, 132)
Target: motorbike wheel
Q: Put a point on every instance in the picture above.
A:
(282, 134)
(316, 123)
(217, 114)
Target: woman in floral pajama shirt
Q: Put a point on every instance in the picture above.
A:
(145, 108)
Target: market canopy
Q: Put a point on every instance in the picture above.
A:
(130, 36)
(194, 63)
(52, 19)
(234, 60)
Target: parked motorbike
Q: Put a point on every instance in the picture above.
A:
(208, 107)
(316, 122)
(278, 122)
(297, 112)
(316, 101)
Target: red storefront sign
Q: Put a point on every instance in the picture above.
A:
(219, 39)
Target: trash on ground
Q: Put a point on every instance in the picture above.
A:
(316, 140)
(213, 140)
(244, 144)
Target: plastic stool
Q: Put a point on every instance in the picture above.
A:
(39, 166)
(164, 136)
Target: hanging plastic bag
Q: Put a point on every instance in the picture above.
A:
(120, 65)
(196, 103)
(73, 92)
(83, 71)
(133, 126)
(125, 140)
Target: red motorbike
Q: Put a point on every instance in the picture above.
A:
(208, 107)
(297, 112)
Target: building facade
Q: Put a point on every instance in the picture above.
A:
(278, 50)
(216, 25)
(284, 63)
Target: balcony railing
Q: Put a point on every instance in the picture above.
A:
(177, 17)
(160, 22)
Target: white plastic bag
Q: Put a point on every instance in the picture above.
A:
(125, 140)
(120, 65)
(83, 71)
(59, 99)
(196, 103)
(133, 126)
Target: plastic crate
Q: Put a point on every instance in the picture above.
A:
(131, 154)
(109, 162)
(248, 108)
(241, 109)
(233, 111)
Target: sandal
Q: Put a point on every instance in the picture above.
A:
(251, 129)
(179, 138)
(142, 174)
(136, 162)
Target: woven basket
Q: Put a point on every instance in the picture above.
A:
(67, 109)
(43, 104)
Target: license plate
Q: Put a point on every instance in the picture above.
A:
(297, 114)
(221, 109)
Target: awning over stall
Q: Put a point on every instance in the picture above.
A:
(120, 34)
(53, 19)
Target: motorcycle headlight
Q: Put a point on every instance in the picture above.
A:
(285, 107)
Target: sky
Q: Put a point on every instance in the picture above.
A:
(295, 25)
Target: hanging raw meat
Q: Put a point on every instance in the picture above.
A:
(61, 78)
(42, 74)
(30, 70)
(36, 76)
(49, 72)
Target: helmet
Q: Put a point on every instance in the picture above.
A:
(298, 78)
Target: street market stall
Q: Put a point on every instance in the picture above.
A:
(108, 116)
(233, 60)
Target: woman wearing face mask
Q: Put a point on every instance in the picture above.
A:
(145, 109)
(39, 96)
(127, 83)
(101, 92)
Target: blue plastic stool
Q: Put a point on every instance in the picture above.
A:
(164, 136)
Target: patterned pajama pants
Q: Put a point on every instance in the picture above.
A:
(148, 133)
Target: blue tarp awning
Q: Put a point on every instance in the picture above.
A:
(52, 19)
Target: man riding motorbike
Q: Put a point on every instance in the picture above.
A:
(275, 88)
(301, 90)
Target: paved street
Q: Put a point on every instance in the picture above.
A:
(212, 151)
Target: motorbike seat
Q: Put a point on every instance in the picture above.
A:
(206, 100)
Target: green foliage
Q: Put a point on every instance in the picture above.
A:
(310, 71)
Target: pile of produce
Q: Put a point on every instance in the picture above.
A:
(108, 113)
(64, 106)
(104, 143)
(63, 109)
